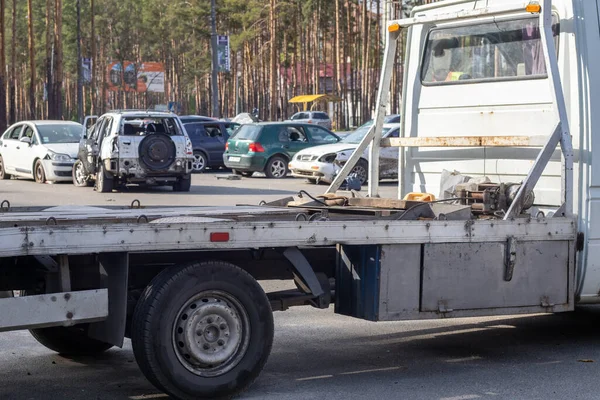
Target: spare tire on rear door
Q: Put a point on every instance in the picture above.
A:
(157, 152)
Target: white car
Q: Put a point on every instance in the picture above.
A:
(40, 150)
(322, 163)
(313, 117)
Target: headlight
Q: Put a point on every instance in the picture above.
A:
(328, 158)
(58, 157)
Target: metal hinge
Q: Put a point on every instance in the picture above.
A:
(510, 258)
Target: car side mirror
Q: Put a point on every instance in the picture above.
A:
(25, 139)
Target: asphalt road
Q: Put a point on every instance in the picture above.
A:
(318, 354)
(208, 189)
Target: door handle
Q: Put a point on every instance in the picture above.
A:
(286, 146)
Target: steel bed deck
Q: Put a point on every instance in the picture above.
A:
(248, 227)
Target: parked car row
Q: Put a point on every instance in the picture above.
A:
(157, 148)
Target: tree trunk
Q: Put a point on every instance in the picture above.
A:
(337, 75)
(273, 67)
(93, 58)
(31, 43)
(58, 59)
(2, 66)
(12, 115)
(51, 110)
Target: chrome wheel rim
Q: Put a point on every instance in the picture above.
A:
(199, 162)
(360, 173)
(278, 169)
(79, 175)
(211, 333)
(39, 173)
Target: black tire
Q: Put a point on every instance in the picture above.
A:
(72, 341)
(183, 184)
(157, 152)
(80, 178)
(246, 174)
(191, 296)
(277, 168)
(200, 162)
(104, 182)
(38, 172)
(3, 174)
(312, 181)
(361, 169)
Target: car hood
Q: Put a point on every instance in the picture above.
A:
(63, 148)
(328, 149)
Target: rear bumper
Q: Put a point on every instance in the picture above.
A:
(58, 171)
(130, 170)
(246, 162)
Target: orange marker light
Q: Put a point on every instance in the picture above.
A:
(533, 7)
(394, 28)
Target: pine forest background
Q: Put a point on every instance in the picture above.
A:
(279, 49)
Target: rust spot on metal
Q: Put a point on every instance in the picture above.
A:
(460, 141)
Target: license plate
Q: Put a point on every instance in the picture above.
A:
(235, 159)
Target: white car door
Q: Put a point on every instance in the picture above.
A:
(388, 158)
(9, 151)
(27, 152)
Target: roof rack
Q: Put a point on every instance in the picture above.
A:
(139, 110)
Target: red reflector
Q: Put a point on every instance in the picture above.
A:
(227, 146)
(256, 148)
(219, 237)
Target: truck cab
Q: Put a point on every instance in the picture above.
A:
(487, 77)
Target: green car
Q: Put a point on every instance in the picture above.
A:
(269, 146)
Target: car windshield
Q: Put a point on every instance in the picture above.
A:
(71, 133)
(247, 132)
(358, 135)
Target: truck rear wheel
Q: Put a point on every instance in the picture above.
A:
(72, 341)
(202, 330)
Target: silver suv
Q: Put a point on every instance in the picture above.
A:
(313, 117)
(142, 147)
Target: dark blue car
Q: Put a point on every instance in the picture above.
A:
(208, 140)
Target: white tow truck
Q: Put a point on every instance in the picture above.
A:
(492, 88)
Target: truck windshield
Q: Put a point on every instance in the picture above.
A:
(485, 52)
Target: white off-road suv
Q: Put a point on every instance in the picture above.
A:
(142, 147)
